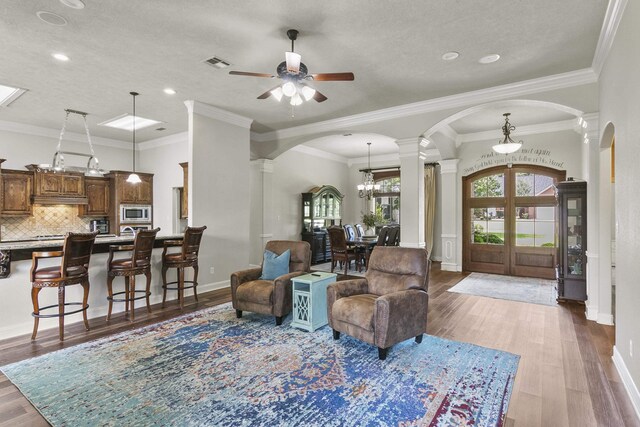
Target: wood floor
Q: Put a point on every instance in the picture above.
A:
(565, 378)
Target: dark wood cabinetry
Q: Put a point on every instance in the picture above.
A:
(572, 234)
(139, 194)
(51, 187)
(15, 193)
(321, 207)
(184, 194)
(97, 191)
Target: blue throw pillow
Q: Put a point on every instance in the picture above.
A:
(274, 266)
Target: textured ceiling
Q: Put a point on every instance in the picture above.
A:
(394, 49)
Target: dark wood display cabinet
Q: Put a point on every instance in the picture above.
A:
(321, 208)
(572, 240)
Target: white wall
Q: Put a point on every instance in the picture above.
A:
(22, 149)
(162, 160)
(620, 105)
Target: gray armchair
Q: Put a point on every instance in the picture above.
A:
(389, 305)
(272, 297)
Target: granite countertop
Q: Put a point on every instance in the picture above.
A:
(37, 244)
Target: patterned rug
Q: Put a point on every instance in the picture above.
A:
(209, 368)
(524, 289)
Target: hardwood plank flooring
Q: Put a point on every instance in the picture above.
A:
(565, 377)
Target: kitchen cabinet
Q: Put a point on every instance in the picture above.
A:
(572, 239)
(51, 187)
(136, 194)
(97, 191)
(184, 194)
(15, 193)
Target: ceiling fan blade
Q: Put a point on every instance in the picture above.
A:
(332, 77)
(319, 97)
(245, 73)
(267, 93)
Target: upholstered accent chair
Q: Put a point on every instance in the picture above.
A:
(389, 305)
(272, 297)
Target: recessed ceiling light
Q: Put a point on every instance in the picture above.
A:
(450, 56)
(125, 122)
(170, 91)
(161, 129)
(9, 94)
(60, 57)
(346, 134)
(74, 4)
(489, 58)
(51, 18)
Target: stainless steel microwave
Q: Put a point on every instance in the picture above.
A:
(135, 213)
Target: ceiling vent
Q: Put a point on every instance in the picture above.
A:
(217, 62)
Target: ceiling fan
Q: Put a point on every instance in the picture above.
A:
(295, 75)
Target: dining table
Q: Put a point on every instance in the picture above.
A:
(365, 242)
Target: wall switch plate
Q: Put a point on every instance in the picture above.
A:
(212, 270)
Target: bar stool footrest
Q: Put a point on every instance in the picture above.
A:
(58, 314)
(194, 284)
(146, 294)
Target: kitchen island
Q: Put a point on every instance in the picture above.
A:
(15, 303)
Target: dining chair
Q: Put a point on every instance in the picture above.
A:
(349, 231)
(340, 251)
(360, 230)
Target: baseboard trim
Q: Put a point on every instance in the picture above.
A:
(592, 313)
(627, 381)
(605, 319)
(449, 266)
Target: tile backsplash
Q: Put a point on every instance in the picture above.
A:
(55, 219)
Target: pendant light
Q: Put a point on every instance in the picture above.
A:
(133, 177)
(507, 145)
(367, 188)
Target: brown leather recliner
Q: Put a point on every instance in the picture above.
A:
(272, 297)
(389, 305)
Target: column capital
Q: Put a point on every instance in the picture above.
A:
(196, 107)
(412, 147)
(264, 165)
(449, 166)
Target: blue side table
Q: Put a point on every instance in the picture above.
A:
(310, 300)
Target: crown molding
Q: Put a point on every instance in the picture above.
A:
(521, 131)
(593, 126)
(319, 153)
(263, 165)
(542, 84)
(196, 107)
(176, 138)
(449, 166)
(55, 134)
(612, 19)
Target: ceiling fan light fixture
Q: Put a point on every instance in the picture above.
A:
(289, 89)
(296, 100)
(308, 92)
(293, 62)
(277, 93)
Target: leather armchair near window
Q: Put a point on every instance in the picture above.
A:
(271, 297)
(389, 305)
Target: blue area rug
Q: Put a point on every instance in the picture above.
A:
(209, 368)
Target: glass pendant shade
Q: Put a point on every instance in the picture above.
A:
(134, 178)
(296, 100)
(277, 93)
(288, 89)
(308, 92)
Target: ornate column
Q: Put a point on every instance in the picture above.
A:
(450, 214)
(412, 155)
(262, 222)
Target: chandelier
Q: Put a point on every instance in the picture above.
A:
(507, 145)
(367, 188)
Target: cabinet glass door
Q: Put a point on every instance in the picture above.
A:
(575, 231)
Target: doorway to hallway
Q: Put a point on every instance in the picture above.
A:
(510, 221)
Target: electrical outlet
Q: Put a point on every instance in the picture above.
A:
(631, 348)
(212, 270)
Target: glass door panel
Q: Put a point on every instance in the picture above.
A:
(535, 226)
(487, 225)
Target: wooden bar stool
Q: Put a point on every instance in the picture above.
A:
(138, 263)
(187, 257)
(73, 270)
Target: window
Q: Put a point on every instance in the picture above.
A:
(387, 199)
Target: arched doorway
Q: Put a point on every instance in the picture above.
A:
(510, 221)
